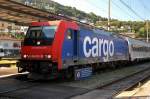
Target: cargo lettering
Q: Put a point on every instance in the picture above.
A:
(97, 47)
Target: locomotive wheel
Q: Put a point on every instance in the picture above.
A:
(69, 73)
(113, 65)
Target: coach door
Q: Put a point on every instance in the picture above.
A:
(75, 45)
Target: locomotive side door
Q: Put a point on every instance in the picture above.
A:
(75, 44)
(72, 44)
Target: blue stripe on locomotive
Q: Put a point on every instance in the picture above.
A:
(119, 48)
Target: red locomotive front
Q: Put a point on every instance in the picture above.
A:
(41, 50)
(37, 55)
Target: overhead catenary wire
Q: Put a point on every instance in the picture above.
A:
(98, 7)
(122, 9)
(132, 10)
(103, 10)
(146, 21)
(146, 8)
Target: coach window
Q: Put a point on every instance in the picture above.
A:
(69, 34)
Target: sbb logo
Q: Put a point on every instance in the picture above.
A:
(98, 47)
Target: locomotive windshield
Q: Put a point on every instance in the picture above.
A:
(40, 35)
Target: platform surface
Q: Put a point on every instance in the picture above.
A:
(7, 70)
(141, 92)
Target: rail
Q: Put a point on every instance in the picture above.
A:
(25, 84)
(115, 87)
(110, 89)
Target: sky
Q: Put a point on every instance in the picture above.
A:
(140, 9)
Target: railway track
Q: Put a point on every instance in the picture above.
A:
(110, 90)
(24, 84)
(107, 90)
(125, 83)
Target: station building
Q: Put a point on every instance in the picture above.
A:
(6, 27)
(129, 34)
(11, 46)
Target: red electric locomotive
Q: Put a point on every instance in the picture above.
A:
(68, 48)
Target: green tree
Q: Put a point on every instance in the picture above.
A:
(142, 32)
(93, 17)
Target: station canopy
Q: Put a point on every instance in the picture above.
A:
(20, 14)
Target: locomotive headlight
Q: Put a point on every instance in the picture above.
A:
(24, 56)
(48, 56)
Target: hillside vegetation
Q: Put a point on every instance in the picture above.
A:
(137, 27)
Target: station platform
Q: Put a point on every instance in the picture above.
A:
(6, 71)
(141, 92)
(7, 68)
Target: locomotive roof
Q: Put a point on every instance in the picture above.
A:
(85, 26)
(45, 23)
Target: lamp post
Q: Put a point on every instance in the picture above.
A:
(147, 34)
(109, 15)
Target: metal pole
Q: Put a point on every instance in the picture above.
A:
(109, 15)
(147, 30)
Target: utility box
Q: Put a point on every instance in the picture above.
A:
(83, 73)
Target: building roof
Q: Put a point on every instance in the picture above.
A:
(21, 14)
(129, 34)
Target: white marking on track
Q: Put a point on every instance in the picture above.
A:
(9, 75)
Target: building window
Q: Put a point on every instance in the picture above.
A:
(5, 45)
(2, 24)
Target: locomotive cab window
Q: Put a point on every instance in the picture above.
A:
(40, 33)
